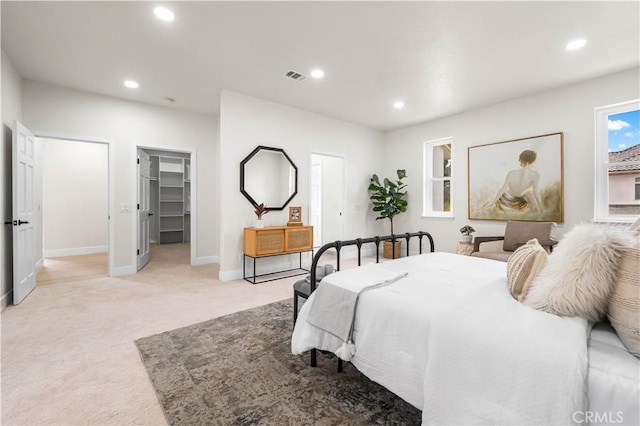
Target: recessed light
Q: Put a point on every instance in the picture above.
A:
(131, 84)
(398, 104)
(576, 44)
(317, 73)
(164, 14)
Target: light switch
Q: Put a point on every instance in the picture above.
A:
(124, 208)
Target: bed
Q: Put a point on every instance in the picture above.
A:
(449, 339)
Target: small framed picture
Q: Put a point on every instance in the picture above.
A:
(295, 216)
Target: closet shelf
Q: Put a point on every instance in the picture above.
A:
(171, 215)
(171, 201)
(171, 230)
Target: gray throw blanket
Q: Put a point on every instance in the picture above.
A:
(333, 308)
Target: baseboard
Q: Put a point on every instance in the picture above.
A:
(4, 301)
(76, 251)
(39, 264)
(230, 275)
(206, 260)
(123, 270)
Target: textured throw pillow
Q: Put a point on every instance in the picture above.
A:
(624, 303)
(523, 266)
(579, 275)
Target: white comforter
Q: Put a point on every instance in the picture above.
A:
(394, 342)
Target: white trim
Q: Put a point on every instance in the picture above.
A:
(123, 270)
(345, 208)
(205, 260)
(76, 251)
(428, 179)
(194, 208)
(230, 275)
(110, 190)
(601, 188)
(4, 301)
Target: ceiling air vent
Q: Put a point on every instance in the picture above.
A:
(295, 75)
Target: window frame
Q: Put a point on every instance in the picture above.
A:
(601, 184)
(429, 179)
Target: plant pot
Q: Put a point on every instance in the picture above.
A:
(259, 223)
(466, 239)
(387, 250)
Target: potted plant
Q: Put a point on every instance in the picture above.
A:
(388, 199)
(259, 211)
(466, 232)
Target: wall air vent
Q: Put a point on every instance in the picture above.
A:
(295, 75)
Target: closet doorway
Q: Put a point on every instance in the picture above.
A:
(327, 198)
(165, 206)
(75, 210)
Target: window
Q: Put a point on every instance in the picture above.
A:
(437, 199)
(618, 162)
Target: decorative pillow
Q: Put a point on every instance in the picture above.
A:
(523, 266)
(624, 302)
(579, 275)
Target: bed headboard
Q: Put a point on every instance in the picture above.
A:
(359, 242)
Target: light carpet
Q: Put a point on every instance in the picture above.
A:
(238, 369)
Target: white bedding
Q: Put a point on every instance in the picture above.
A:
(391, 348)
(493, 360)
(613, 379)
(393, 343)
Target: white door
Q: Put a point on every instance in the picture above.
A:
(24, 212)
(327, 197)
(144, 174)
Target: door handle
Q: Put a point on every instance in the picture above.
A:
(150, 214)
(8, 222)
(22, 222)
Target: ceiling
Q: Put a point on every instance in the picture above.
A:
(440, 58)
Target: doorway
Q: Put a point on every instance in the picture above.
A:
(75, 210)
(165, 206)
(327, 198)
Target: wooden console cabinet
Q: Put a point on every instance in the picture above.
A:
(275, 241)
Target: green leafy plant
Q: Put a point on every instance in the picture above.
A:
(388, 197)
(467, 230)
(260, 210)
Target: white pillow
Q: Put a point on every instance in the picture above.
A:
(523, 267)
(579, 275)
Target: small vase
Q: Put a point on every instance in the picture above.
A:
(466, 239)
(259, 223)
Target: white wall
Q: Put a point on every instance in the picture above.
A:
(246, 122)
(60, 112)
(569, 109)
(11, 110)
(74, 197)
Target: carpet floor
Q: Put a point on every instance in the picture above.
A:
(238, 369)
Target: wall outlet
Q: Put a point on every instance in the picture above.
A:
(124, 208)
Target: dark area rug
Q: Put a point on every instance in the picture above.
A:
(239, 370)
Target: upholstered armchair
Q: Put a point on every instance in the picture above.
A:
(515, 235)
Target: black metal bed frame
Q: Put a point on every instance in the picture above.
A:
(359, 242)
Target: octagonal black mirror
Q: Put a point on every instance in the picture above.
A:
(268, 176)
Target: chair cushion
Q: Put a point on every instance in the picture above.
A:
(502, 256)
(518, 233)
(523, 266)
